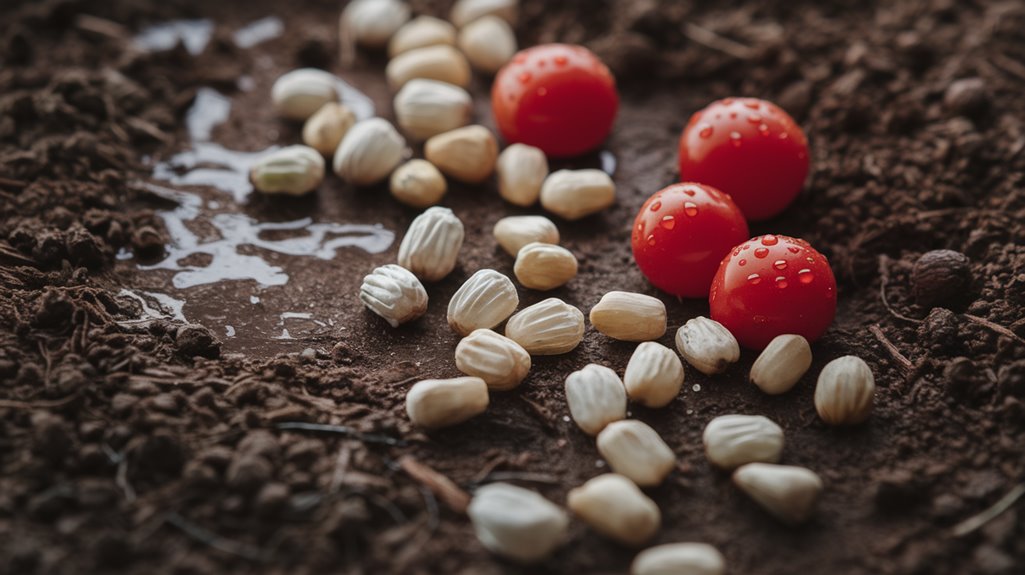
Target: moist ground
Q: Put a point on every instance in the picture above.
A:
(142, 447)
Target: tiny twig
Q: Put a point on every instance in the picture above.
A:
(884, 280)
(710, 39)
(214, 540)
(341, 467)
(976, 521)
(39, 404)
(451, 494)
(340, 429)
(431, 503)
(897, 355)
(521, 476)
(995, 327)
(122, 478)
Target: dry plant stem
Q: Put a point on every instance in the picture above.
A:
(977, 521)
(897, 355)
(340, 429)
(710, 39)
(444, 488)
(884, 280)
(995, 327)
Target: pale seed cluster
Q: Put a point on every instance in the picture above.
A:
(431, 65)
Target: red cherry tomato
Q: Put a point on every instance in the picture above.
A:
(773, 285)
(682, 233)
(557, 97)
(750, 149)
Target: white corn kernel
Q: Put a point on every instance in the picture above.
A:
(369, 152)
(466, 11)
(514, 232)
(372, 23)
(439, 62)
(679, 559)
(421, 32)
(843, 395)
(298, 94)
(549, 327)
(596, 397)
(466, 154)
(393, 293)
(325, 129)
(485, 300)
(488, 42)
(418, 183)
(544, 266)
(431, 245)
(733, 440)
(426, 108)
(574, 194)
(437, 403)
(786, 491)
(499, 361)
(517, 523)
(613, 506)
(629, 316)
(521, 170)
(781, 364)
(654, 375)
(707, 345)
(636, 451)
(294, 170)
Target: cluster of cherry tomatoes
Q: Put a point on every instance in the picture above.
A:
(740, 159)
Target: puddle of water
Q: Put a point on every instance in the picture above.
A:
(258, 32)
(155, 306)
(225, 262)
(193, 34)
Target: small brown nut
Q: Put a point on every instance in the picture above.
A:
(939, 276)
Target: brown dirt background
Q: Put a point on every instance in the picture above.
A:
(158, 448)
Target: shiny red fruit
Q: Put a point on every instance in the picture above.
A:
(773, 285)
(557, 97)
(682, 233)
(748, 148)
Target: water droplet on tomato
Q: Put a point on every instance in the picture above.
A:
(761, 252)
(769, 240)
(706, 131)
(733, 115)
(754, 279)
(651, 239)
(561, 60)
(811, 260)
(668, 222)
(754, 119)
(745, 247)
(656, 206)
(541, 63)
(742, 262)
(753, 104)
(784, 136)
(520, 58)
(793, 249)
(780, 264)
(542, 91)
(764, 129)
(525, 77)
(735, 139)
(727, 101)
(690, 208)
(781, 282)
(689, 192)
(805, 276)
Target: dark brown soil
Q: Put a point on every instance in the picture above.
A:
(160, 447)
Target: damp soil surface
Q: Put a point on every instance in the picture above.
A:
(189, 384)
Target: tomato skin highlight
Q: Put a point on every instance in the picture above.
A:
(773, 285)
(748, 148)
(557, 97)
(680, 235)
